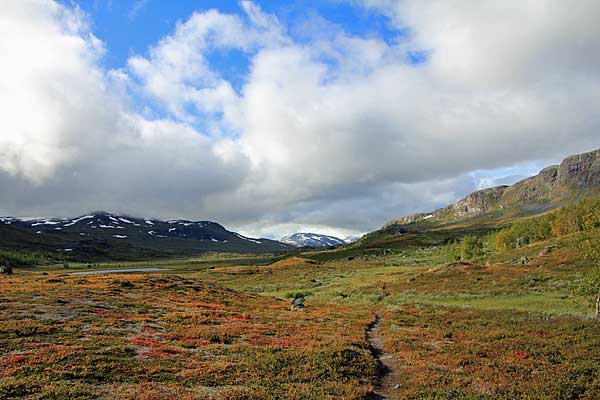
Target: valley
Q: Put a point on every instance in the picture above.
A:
(222, 328)
(489, 306)
(299, 200)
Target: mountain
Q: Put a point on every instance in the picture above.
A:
(313, 240)
(351, 239)
(102, 235)
(554, 186)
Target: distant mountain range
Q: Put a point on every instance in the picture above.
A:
(554, 186)
(316, 240)
(102, 235)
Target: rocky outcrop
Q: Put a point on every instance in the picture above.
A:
(576, 176)
(578, 172)
(478, 202)
(5, 270)
(536, 188)
(409, 219)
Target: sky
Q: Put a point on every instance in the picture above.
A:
(270, 117)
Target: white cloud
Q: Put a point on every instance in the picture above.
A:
(68, 141)
(41, 83)
(507, 44)
(334, 132)
(177, 71)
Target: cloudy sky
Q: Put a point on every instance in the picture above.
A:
(274, 117)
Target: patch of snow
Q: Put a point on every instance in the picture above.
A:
(46, 222)
(172, 229)
(248, 239)
(120, 236)
(428, 216)
(125, 220)
(73, 222)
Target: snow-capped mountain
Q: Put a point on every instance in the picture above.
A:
(312, 240)
(106, 230)
(351, 239)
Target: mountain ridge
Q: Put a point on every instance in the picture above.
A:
(97, 234)
(576, 175)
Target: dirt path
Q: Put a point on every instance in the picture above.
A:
(388, 376)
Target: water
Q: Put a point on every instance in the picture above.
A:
(118, 271)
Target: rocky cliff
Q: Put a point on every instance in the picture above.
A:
(576, 176)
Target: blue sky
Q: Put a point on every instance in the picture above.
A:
(129, 27)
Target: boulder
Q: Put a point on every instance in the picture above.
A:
(6, 270)
(298, 302)
(524, 260)
(124, 283)
(520, 242)
(546, 250)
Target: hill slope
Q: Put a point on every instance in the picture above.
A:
(554, 186)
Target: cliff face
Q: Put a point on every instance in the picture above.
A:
(534, 189)
(579, 171)
(577, 175)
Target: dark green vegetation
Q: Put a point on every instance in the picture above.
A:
(581, 218)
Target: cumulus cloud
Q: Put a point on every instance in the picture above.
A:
(329, 131)
(68, 142)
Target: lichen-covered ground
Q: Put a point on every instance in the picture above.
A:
(448, 331)
(167, 337)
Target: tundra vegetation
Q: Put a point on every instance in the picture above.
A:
(501, 310)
